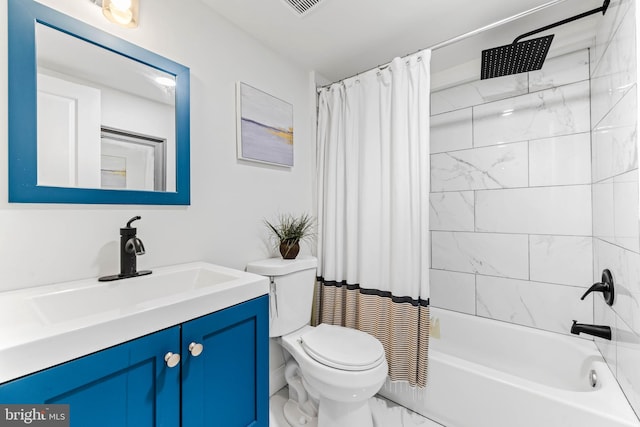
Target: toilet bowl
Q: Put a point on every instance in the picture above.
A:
(343, 367)
(341, 364)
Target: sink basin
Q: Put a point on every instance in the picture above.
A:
(48, 325)
(125, 295)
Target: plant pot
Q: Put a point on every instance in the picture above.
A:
(289, 250)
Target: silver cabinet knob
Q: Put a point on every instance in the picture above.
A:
(172, 360)
(195, 349)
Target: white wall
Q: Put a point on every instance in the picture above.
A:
(42, 244)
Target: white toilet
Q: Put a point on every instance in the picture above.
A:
(340, 368)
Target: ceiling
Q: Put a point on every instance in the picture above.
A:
(340, 38)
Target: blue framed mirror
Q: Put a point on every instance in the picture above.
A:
(93, 118)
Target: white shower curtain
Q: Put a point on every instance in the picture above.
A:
(373, 205)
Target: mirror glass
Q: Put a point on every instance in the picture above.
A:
(78, 99)
(99, 120)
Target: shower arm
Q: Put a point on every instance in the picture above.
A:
(602, 9)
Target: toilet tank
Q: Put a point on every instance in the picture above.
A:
(290, 291)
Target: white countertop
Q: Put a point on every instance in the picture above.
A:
(48, 325)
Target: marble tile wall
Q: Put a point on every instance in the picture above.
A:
(534, 191)
(511, 197)
(616, 238)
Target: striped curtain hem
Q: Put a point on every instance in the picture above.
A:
(400, 323)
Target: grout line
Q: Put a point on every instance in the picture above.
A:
(529, 164)
(475, 210)
(529, 254)
(614, 245)
(602, 181)
(519, 188)
(521, 233)
(475, 293)
(473, 133)
(513, 95)
(499, 144)
(534, 282)
(430, 255)
(613, 107)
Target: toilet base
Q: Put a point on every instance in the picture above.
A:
(330, 414)
(296, 417)
(344, 414)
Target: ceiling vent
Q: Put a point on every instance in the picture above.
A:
(302, 7)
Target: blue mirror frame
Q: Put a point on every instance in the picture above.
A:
(23, 186)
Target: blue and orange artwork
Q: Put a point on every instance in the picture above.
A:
(266, 127)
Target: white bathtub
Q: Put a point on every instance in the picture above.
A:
(486, 373)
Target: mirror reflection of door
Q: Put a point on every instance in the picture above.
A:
(85, 90)
(68, 149)
(132, 161)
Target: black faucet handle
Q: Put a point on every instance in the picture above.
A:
(605, 286)
(596, 287)
(135, 218)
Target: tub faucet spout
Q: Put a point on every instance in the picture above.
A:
(595, 330)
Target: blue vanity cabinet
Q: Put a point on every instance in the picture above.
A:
(126, 385)
(225, 382)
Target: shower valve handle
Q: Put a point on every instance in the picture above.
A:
(596, 287)
(605, 286)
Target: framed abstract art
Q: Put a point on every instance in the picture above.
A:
(265, 127)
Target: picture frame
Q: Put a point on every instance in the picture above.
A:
(264, 127)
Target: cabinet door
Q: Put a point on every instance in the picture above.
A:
(227, 385)
(126, 385)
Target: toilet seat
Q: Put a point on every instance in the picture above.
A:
(342, 348)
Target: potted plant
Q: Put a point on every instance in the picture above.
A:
(288, 231)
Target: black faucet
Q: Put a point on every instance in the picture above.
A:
(595, 330)
(605, 286)
(130, 247)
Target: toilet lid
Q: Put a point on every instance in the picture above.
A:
(343, 348)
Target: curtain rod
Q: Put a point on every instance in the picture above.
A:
(460, 37)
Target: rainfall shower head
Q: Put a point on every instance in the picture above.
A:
(529, 55)
(515, 58)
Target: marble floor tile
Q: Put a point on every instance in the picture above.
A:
(390, 414)
(385, 413)
(276, 405)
